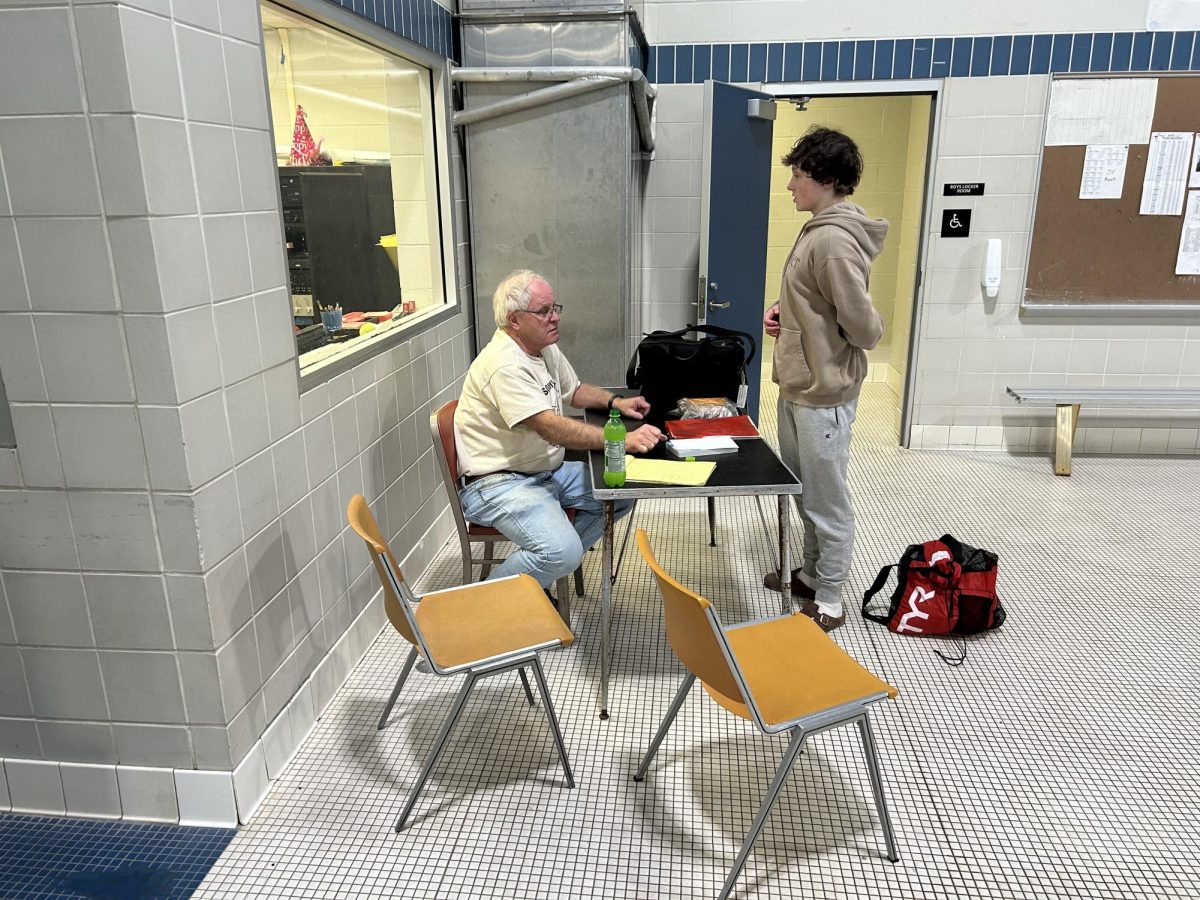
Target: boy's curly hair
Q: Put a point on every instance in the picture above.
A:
(827, 157)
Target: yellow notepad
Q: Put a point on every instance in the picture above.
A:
(665, 471)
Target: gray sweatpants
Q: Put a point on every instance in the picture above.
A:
(815, 445)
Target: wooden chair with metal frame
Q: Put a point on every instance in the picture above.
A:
(784, 674)
(441, 424)
(479, 629)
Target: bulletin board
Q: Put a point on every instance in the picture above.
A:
(1104, 252)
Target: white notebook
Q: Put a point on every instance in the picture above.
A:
(698, 447)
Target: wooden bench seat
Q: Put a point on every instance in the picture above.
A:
(1067, 401)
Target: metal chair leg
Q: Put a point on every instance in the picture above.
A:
(764, 810)
(680, 696)
(552, 718)
(525, 684)
(868, 742)
(439, 744)
(408, 664)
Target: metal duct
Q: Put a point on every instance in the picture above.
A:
(556, 170)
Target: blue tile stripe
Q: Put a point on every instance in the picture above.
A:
(423, 22)
(932, 57)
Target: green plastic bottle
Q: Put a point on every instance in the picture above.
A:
(614, 450)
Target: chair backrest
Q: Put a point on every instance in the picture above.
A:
(693, 629)
(441, 424)
(398, 610)
(443, 434)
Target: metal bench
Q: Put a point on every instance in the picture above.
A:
(1067, 401)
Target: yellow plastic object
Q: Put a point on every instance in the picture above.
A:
(366, 328)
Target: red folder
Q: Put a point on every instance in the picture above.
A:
(732, 426)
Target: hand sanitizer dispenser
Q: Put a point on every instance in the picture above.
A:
(991, 267)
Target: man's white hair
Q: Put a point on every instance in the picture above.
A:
(513, 294)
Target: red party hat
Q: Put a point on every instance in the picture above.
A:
(304, 150)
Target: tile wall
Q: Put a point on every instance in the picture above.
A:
(989, 115)
(179, 589)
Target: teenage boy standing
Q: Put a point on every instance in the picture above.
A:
(823, 324)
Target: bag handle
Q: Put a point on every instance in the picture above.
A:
(875, 588)
(746, 338)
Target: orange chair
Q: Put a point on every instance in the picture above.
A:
(481, 629)
(783, 674)
(441, 424)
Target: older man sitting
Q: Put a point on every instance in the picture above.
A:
(511, 436)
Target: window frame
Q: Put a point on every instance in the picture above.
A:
(8, 437)
(354, 27)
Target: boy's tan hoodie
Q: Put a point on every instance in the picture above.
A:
(826, 319)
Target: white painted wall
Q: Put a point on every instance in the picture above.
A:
(719, 21)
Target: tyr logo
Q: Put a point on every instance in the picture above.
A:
(919, 595)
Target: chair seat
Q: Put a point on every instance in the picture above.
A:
(794, 669)
(505, 616)
(482, 530)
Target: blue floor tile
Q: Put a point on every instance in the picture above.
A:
(111, 860)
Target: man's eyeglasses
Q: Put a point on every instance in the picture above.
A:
(544, 313)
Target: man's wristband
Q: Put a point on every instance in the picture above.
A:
(611, 400)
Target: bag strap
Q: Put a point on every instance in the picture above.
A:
(630, 370)
(875, 588)
(957, 658)
(630, 381)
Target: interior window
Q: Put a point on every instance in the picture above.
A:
(353, 128)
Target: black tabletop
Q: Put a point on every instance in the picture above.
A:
(754, 469)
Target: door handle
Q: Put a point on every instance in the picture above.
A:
(712, 305)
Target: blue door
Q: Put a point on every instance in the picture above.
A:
(735, 195)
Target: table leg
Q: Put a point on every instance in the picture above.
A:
(712, 521)
(1067, 419)
(606, 588)
(785, 547)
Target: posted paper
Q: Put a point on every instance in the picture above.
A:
(1194, 178)
(1188, 260)
(1103, 171)
(1173, 15)
(1166, 173)
(1101, 111)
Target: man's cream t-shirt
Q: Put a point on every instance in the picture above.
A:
(505, 386)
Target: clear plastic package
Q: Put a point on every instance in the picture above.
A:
(705, 408)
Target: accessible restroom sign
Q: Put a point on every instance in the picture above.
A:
(956, 223)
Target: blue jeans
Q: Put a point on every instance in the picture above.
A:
(528, 510)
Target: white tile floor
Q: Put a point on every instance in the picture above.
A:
(1059, 761)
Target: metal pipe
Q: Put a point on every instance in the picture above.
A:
(543, 73)
(593, 77)
(539, 97)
